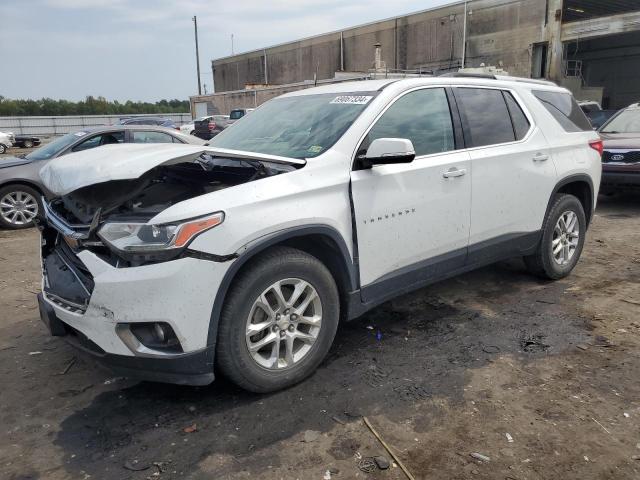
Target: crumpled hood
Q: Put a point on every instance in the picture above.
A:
(7, 162)
(621, 140)
(65, 174)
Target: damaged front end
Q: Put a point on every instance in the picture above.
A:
(122, 288)
(109, 195)
(111, 218)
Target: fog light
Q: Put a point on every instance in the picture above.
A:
(157, 336)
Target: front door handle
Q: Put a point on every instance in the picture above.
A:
(540, 157)
(455, 172)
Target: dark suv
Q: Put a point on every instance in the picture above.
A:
(209, 127)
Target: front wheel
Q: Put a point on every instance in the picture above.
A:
(27, 144)
(563, 236)
(3, 148)
(278, 321)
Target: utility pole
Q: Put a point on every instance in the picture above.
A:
(195, 24)
(464, 35)
(232, 51)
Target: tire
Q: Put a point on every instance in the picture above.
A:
(3, 148)
(27, 144)
(28, 202)
(544, 262)
(192, 132)
(254, 371)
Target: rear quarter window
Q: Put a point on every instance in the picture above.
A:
(485, 116)
(564, 108)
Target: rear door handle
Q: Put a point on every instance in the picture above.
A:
(540, 157)
(454, 172)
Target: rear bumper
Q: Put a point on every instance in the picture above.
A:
(207, 135)
(193, 368)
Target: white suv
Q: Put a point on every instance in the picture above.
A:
(165, 260)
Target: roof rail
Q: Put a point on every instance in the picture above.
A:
(469, 75)
(536, 81)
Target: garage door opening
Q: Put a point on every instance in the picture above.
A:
(612, 62)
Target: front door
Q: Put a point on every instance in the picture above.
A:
(412, 220)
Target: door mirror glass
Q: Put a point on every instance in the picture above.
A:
(384, 151)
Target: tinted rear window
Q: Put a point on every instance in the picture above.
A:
(565, 110)
(485, 116)
(236, 114)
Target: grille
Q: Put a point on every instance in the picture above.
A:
(632, 156)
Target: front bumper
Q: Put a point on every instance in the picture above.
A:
(624, 177)
(91, 303)
(194, 368)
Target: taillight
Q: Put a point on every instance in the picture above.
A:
(212, 126)
(597, 145)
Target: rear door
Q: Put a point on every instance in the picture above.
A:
(412, 220)
(513, 174)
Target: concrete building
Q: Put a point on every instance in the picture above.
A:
(590, 46)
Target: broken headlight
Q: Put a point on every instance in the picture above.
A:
(141, 239)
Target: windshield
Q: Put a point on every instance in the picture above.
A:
(236, 114)
(627, 121)
(53, 148)
(296, 127)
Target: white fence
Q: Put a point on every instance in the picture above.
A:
(47, 126)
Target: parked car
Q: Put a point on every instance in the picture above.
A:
(237, 114)
(209, 127)
(599, 117)
(6, 141)
(159, 122)
(621, 156)
(246, 254)
(20, 185)
(589, 106)
(26, 141)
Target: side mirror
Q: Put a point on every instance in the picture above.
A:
(383, 151)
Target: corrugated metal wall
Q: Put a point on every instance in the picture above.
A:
(46, 126)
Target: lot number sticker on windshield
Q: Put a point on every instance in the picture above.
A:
(353, 99)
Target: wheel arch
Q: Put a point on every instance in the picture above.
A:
(321, 241)
(25, 183)
(580, 186)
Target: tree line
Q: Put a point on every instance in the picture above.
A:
(89, 106)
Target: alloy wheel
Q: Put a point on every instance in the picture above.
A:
(566, 236)
(284, 323)
(18, 208)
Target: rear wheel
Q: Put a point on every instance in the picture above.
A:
(19, 206)
(562, 239)
(28, 144)
(278, 321)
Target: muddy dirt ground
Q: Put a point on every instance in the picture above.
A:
(441, 373)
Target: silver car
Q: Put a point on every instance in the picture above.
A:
(20, 185)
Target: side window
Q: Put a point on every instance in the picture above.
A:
(564, 109)
(520, 123)
(485, 116)
(98, 140)
(422, 116)
(151, 137)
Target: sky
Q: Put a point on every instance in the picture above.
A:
(144, 49)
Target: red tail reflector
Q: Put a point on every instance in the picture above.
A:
(597, 145)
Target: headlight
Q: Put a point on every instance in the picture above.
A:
(142, 238)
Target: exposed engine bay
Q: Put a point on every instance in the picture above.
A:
(144, 197)
(78, 216)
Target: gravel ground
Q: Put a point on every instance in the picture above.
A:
(540, 377)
